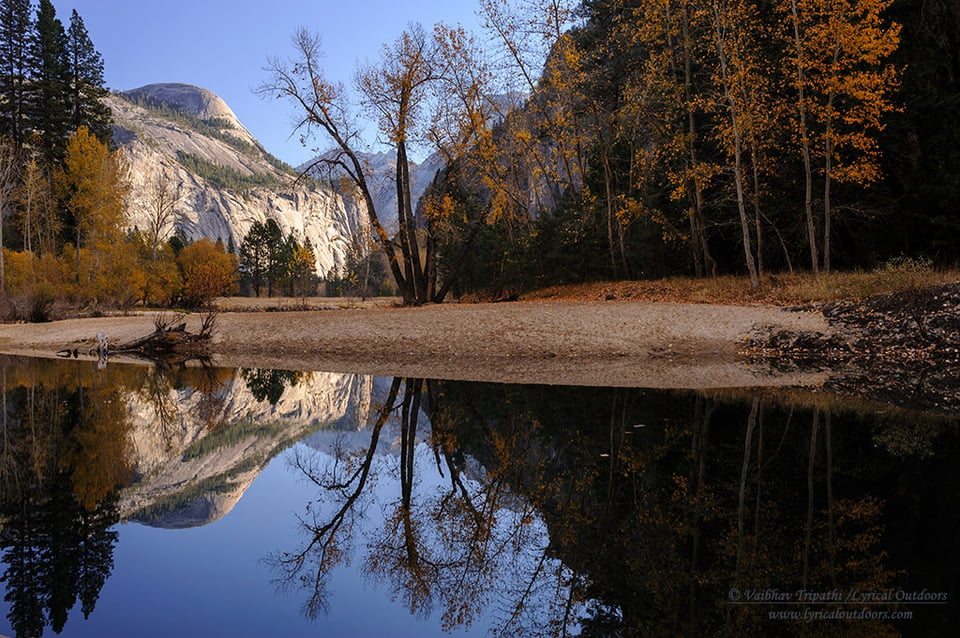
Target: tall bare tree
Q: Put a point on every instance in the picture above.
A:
(163, 198)
(395, 92)
(323, 108)
(9, 182)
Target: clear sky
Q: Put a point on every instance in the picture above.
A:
(223, 45)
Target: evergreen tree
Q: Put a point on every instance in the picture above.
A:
(86, 82)
(50, 66)
(15, 27)
(303, 270)
(268, 385)
(254, 258)
(276, 264)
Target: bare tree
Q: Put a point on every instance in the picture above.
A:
(164, 197)
(9, 182)
(392, 90)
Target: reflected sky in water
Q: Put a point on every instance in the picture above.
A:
(212, 580)
(281, 504)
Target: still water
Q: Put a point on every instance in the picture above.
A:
(196, 501)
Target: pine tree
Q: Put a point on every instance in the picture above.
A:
(86, 82)
(276, 263)
(254, 257)
(50, 66)
(15, 27)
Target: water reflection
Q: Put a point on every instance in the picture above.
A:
(453, 541)
(662, 510)
(518, 510)
(63, 456)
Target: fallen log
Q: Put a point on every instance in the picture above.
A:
(170, 340)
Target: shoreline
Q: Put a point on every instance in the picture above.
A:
(584, 343)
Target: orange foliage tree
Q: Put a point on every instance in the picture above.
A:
(843, 85)
(93, 185)
(208, 272)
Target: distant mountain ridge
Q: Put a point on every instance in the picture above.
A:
(381, 176)
(227, 181)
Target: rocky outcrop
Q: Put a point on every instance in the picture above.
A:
(224, 178)
(900, 348)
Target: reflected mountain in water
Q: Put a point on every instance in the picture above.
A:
(521, 510)
(215, 437)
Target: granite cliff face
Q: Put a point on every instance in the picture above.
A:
(224, 177)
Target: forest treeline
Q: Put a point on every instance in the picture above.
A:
(64, 187)
(720, 136)
(605, 139)
(633, 139)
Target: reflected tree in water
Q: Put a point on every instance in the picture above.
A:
(345, 478)
(608, 511)
(660, 503)
(268, 384)
(442, 548)
(65, 452)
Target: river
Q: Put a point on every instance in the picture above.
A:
(200, 501)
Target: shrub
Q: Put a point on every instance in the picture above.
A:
(208, 272)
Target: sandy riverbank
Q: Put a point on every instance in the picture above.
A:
(640, 344)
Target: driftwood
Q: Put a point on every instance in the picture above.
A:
(170, 340)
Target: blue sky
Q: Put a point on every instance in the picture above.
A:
(223, 46)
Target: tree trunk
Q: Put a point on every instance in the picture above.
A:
(827, 181)
(408, 229)
(608, 186)
(742, 492)
(808, 536)
(3, 273)
(805, 143)
(737, 148)
(754, 154)
(701, 245)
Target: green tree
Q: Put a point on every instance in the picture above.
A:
(15, 27)
(50, 67)
(85, 99)
(268, 385)
(253, 258)
(280, 257)
(263, 256)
